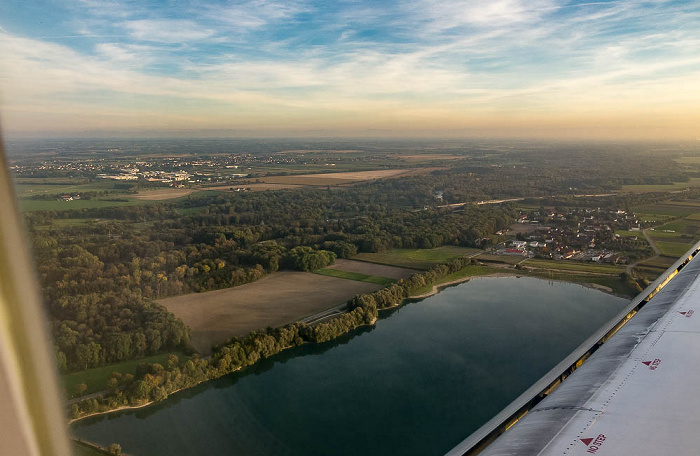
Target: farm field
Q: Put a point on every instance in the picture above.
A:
(429, 157)
(679, 227)
(575, 266)
(320, 151)
(383, 281)
(163, 194)
(416, 258)
(674, 249)
(653, 267)
(274, 300)
(688, 202)
(372, 269)
(626, 233)
(27, 188)
(660, 235)
(335, 178)
(253, 187)
(693, 182)
(663, 262)
(661, 211)
(96, 379)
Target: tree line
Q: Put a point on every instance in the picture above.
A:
(155, 382)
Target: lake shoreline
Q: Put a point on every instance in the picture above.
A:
(438, 288)
(414, 298)
(466, 330)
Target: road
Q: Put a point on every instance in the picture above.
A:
(511, 200)
(657, 253)
(96, 395)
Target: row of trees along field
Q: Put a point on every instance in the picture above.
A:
(154, 382)
(100, 279)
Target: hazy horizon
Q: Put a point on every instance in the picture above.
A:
(507, 69)
(408, 135)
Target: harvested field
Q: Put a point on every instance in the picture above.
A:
(372, 269)
(430, 157)
(319, 151)
(335, 178)
(274, 300)
(163, 194)
(252, 187)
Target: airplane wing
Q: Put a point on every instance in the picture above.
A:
(635, 392)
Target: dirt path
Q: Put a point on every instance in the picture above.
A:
(657, 252)
(96, 395)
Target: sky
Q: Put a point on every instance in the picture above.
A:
(353, 68)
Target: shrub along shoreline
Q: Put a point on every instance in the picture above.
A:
(155, 382)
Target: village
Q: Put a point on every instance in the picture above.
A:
(576, 234)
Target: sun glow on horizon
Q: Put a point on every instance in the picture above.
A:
(507, 68)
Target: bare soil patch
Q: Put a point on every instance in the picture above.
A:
(164, 194)
(373, 269)
(335, 178)
(274, 300)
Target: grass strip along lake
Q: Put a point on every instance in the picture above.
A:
(418, 382)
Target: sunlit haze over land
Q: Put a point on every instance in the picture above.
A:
(501, 68)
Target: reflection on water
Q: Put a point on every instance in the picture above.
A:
(422, 379)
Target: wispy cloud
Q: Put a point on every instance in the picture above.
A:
(109, 8)
(254, 14)
(449, 14)
(167, 30)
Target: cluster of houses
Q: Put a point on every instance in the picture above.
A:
(130, 173)
(581, 234)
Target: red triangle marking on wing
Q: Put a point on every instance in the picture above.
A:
(646, 362)
(682, 313)
(587, 441)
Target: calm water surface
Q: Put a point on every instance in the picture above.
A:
(420, 381)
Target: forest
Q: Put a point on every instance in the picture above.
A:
(100, 278)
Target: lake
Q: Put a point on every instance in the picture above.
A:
(417, 383)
